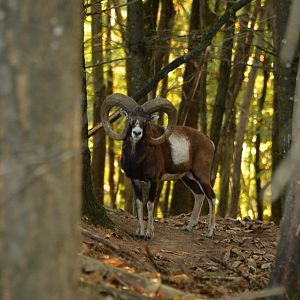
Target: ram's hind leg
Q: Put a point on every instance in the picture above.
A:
(197, 191)
(211, 198)
(140, 231)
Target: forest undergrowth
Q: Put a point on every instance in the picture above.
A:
(177, 264)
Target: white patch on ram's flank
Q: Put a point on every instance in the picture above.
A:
(180, 148)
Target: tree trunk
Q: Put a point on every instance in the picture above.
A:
(284, 89)
(91, 208)
(162, 39)
(202, 99)
(109, 91)
(137, 65)
(261, 101)
(39, 149)
(224, 76)
(182, 198)
(242, 53)
(98, 157)
(236, 185)
(227, 149)
(286, 270)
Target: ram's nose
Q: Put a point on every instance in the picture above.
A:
(136, 133)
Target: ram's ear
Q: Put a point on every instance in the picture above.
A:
(154, 117)
(124, 113)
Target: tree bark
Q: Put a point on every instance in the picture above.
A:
(284, 89)
(224, 76)
(202, 99)
(227, 149)
(39, 149)
(109, 91)
(189, 107)
(286, 270)
(161, 39)
(98, 154)
(91, 208)
(137, 65)
(242, 50)
(236, 185)
(261, 101)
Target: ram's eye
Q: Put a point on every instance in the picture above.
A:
(154, 117)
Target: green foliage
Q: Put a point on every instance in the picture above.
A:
(179, 43)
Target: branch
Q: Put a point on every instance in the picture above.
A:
(196, 52)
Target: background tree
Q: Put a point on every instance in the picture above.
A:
(39, 149)
(244, 113)
(98, 159)
(284, 89)
(286, 270)
(91, 207)
(163, 34)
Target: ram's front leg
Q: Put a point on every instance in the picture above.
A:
(140, 231)
(150, 207)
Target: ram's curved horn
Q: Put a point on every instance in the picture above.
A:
(161, 105)
(119, 100)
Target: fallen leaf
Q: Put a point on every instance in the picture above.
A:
(227, 254)
(252, 265)
(236, 264)
(266, 266)
(231, 232)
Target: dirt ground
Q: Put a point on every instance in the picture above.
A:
(237, 259)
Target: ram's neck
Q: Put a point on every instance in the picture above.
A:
(134, 149)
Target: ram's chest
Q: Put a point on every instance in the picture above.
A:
(131, 168)
(137, 165)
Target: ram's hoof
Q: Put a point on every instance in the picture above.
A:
(208, 233)
(139, 236)
(149, 236)
(188, 228)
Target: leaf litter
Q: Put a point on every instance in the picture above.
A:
(176, 264)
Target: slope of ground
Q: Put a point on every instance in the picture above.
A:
(238, 258)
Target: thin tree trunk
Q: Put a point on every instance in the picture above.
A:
(189, 108)
(98, 157)
(224, 76)
(236, 186)
(202, 99)
(242, 50)
(39, 149)
(137, 65)
(91, 208)
(162, 39)
(109, 90)
(166, 199)
(261, 101)
(227, 149)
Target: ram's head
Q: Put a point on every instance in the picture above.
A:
(138, 117)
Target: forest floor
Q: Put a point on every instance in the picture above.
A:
(235, 264)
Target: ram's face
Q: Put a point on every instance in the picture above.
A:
(138, 122)
(137, 126)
